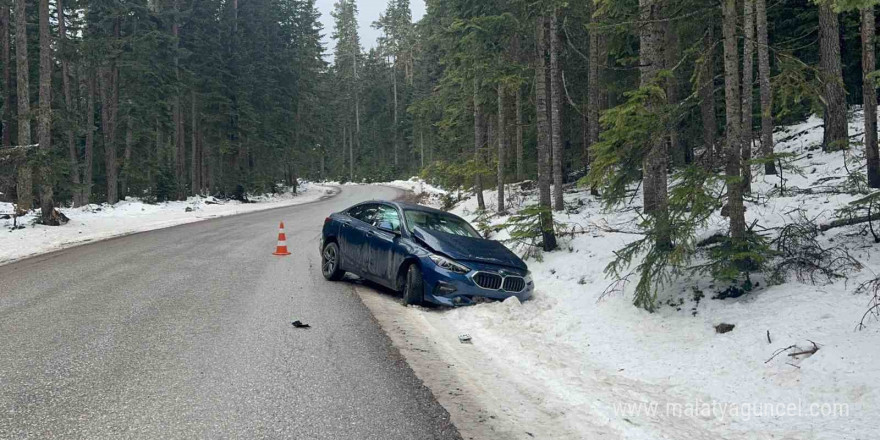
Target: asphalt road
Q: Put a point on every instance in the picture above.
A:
(186, 333)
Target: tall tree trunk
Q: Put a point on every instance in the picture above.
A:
(47, 196)
(594, 78)
(109, 113)
(734, 122)
(25, 185)
(544, 142)
(764, 80)
(6, 60)
(344, 140)
(88, 151)
(672, 53)
(127, 166)
(195, 163)
(520, 164)
(479, 135)
(396, 122)
(748, 80)
(350, 155)
(109, 103)
(177, 112)
(836, 135)
(556, 116)
(869, 95)
(707, 99)
(502, 147)
(72, 154)
(655, 161)
(421, 148)
(357, 99)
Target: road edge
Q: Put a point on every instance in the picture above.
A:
(67, 246)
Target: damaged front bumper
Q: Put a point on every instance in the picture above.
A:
(447, 288)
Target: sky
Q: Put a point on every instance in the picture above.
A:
(368, 12)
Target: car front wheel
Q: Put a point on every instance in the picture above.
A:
(330, 262)
(414, 290)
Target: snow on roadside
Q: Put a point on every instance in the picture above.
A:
(596, 360)
(98, 222)
(428, 194)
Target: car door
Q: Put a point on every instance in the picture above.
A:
(382, 243)
(354, 236)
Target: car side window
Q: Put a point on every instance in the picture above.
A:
(365, 213)
(387, 215)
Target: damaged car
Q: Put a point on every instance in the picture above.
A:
(426, 254)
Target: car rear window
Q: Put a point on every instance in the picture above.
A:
(441, 222)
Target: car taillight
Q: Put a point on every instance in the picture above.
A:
(327, 220)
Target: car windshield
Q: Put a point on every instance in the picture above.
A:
(436, 221)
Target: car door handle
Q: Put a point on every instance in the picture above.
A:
(370, 233)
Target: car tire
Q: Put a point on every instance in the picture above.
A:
(330, 262)
(414, 289)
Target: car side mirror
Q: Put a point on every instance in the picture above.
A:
(388, 227)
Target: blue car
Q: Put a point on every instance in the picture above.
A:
(426, 254)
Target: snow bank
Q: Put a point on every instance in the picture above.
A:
(599, 361)
(425, 193)
(97, 222)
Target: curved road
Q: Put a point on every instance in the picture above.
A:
(185, 333)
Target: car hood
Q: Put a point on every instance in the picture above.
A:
(468, 248)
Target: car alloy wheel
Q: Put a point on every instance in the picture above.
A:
(330, 262)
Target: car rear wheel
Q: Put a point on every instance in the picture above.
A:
(330, 262)
(414, 290)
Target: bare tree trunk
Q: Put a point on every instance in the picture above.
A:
(126, 156)
(502, 147)
(672, 53)
(6, 55)
(396, 122)
(195, 163)
(25, 185)
(748, 80)
(177, 113)
(734, 121)
(479, 135)
(707, 98)
(350, 155)
(836, 135)
(47, 196)
(109, 113)
(72, 154)
(88, 153)
(421, 148)
(357, 100)
(109, 102)
(764, 80)
(520, 164)
(655, 161)
(344, 140)
(544, 142)
(594, 78)
(556, 116)
(869, 95)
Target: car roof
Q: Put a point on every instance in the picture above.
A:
(410, 206)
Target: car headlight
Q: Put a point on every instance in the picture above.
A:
(528, 278)
(449, 265)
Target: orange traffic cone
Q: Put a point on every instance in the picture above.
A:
(281, 249)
